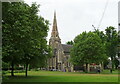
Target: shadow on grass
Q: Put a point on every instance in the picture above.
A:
(19, 77)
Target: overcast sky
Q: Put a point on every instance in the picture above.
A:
(76, 16)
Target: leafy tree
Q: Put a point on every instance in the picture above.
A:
(24, 35)
(37, 39)
(111, 43)
(87, 49)
(11, 33)
(101, 35)
(70, 42)
(103, 38)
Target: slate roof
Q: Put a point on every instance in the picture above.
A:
(66, 48)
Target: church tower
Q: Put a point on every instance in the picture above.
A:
(61, 52)
(54, 35)
(55, 62)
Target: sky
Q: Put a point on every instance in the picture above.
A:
(76, 16)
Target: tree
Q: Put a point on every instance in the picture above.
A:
(24, 35)
(111, 43)
(103, 38)
(101, 35)
(70, 42)
(87, 49)
(37, 39)
(11, 32)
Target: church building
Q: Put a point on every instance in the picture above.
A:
(61, 52)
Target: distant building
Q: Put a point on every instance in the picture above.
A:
(61, 52)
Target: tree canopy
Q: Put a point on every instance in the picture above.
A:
(87, 49)
(24, 34)
(70, 42)
(111, 43)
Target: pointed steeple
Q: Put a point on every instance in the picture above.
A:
(54, 29)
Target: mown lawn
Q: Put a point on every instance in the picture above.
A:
(54, 76)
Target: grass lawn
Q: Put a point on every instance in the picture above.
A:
(54, 76)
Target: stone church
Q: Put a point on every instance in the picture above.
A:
(61, 52)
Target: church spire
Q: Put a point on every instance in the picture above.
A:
(54, 29)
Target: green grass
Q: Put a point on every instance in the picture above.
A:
(50, 76)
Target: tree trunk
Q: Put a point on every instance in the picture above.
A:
(26, 69)
(102, 66)
(12, 69)
(112, 63)
(86, 67)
